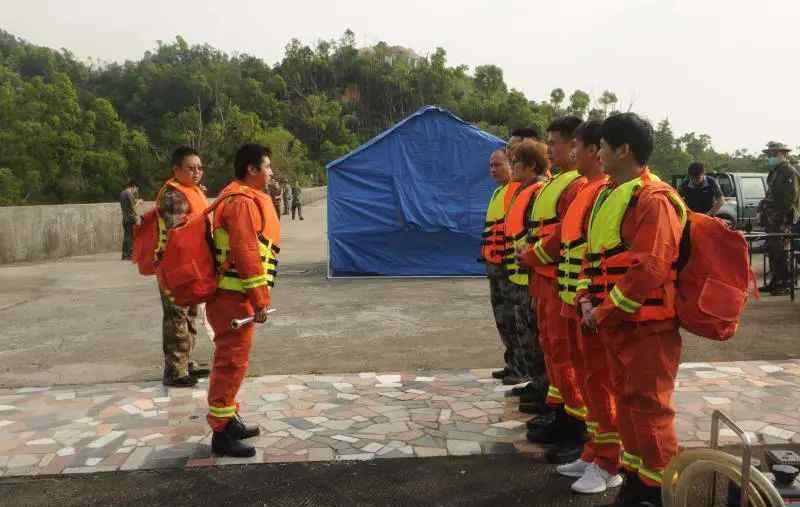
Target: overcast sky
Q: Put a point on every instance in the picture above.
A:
(726, 68)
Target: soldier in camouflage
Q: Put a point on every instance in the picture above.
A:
(779, 210)
(179, 329)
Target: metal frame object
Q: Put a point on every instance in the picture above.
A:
(747, 454)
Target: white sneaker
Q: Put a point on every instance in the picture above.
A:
(575, 469)
(596, 480)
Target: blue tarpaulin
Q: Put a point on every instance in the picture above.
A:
(411, 201)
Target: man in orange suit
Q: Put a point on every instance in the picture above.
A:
(246, 238)
(633, 243)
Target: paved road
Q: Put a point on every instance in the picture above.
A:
(93, 319)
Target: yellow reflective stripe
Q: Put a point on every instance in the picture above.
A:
(538, 249)
(579, 413)
(653, 475)
(583, 284)
(631, 460)
(622, 302)
(222, 411)
(553, 392)
(253, 282)
(592, 426)
(607, 438)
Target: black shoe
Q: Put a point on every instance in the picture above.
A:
(564, 453)
(187, 381)
(511, 380)
(538, 422)
(549, 433)
(225, 443)
(534, 408)
(517, 391)
(635, 493)
(198, 372)
(499, 374)
(241, 430)
(532, 397)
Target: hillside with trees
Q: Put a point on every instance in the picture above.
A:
(75, 132)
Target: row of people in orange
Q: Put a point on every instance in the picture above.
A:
(602, 248)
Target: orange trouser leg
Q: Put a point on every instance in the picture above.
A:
(554, 398)
(560, 348)
(231, 355)
(644, 363)
(593, 375)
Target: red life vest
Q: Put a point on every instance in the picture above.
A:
(516, 231)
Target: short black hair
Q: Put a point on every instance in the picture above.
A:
(696, 169)
(531, 132)
(181, 153)
(565, 126)
(249, 155)
(630, 129)
(132, 183)
(590, 132)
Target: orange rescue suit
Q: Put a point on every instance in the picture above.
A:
(248, 222)
(643, 353)
(555, 337)
(589, 356)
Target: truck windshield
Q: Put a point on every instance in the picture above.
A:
(753, 187)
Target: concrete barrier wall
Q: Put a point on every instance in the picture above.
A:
(37, 233)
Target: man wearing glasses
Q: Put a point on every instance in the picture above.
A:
(181, 196)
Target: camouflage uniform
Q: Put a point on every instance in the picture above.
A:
(778, 213)
(178, 329)
(498, 294)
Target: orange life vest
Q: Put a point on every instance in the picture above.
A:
(516, 231)
(608, 261)
(573, 239)
(544, 215)
(269, 237)
(492, 238)
(197, 200)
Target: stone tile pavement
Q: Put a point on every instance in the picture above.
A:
(363, 416)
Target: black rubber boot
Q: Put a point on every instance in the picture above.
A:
(542, 420)
(500, 374)
(565, 452)
(551, 433)
(511, 380)
(227, 443)
(241, 429)
(535, 408)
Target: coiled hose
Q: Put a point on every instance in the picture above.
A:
(693, 465)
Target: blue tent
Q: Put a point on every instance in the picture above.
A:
(411, 201)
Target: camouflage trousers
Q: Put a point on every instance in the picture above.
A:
(516, 323)
(179, 336)
(776, 247)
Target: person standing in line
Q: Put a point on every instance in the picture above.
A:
(701, 193)
(246, 238)
(530, 170)
(567, 430)
(597, 469)
(128, 201)
(492, 248)
(779, 210)
(297, 200)
(633, 243)
(180, 197)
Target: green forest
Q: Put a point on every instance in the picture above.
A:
(76, 132)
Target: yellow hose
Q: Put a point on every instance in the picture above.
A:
(694, 465)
